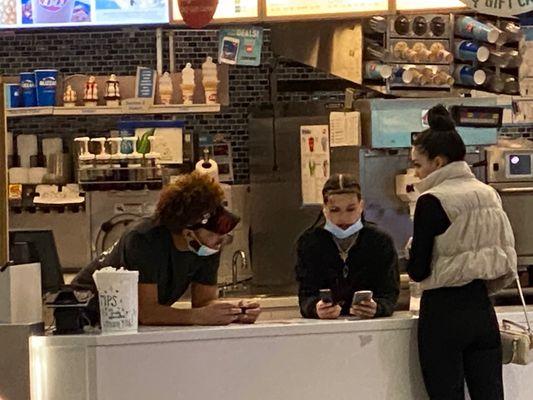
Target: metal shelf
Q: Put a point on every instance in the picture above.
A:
(104, 110)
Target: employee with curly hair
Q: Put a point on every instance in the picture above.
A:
(175, 249)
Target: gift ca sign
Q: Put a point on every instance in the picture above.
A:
(198, 13)
(501, 8)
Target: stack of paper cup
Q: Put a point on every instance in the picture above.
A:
(26, 147)
(210, 81)
(118, 299)
(19, 175)
(187, 86)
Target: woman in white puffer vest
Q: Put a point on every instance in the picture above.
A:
(462, 251)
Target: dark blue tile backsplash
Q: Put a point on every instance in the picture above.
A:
(120, 51)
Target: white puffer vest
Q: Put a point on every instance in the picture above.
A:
(479, 244)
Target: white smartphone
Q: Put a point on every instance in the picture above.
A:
(230, 50)
(361, 295)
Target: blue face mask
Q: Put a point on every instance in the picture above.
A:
(201, 249)
(205, 251)
(341, 233)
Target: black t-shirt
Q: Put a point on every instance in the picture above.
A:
(148, 248)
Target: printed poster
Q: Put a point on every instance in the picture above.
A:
(345, 128)
(315, 162)
(240, 46)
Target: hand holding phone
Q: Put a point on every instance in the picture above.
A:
(363, 306)
(326, 296)
(327, 308)
(361, 295)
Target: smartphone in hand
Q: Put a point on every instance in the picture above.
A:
(361, 295)
(326, 296)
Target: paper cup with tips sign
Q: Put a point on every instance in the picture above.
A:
(118, 299)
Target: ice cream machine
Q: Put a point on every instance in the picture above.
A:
(387, 129)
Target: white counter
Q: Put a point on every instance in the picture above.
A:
(283, 360)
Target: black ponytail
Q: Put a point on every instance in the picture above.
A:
(441, 139)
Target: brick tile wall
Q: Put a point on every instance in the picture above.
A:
(121, 51)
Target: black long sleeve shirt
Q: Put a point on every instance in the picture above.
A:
(430, 221)
(372, 265)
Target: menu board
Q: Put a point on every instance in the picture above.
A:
(58, 13)
(281, 8)
(429, 4)
(226, 9)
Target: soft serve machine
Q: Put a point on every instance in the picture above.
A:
(387, 128)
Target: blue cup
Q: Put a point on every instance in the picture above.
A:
(46, 80)
(468, 75)
(469, 51)
(12, 95)
(29, 92)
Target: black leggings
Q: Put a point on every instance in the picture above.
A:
(458, 341)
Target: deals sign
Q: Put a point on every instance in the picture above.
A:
(240, 46)
(197, 13)
(501, 8)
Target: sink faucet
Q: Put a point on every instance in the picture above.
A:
(234, 271)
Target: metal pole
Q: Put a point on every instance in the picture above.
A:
(4, 208)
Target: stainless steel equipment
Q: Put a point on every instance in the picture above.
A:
(71, 232)
(235, 264)
(278, 217)
(112, 211)
(510, 172)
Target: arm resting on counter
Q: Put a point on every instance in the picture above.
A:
(212, 313)
(430, 221)
(153, 313)
(202, 295)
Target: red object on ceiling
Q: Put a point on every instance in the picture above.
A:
(197, 13)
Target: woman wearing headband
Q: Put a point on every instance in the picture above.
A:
(346, 255)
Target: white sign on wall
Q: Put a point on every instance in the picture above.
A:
(502, 8)
(315, 162)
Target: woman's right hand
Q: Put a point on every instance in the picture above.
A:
(328, 310)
